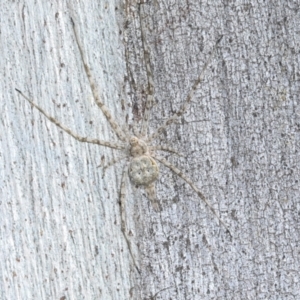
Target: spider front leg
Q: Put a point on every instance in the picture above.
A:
(114, 125)
(193, 186)
(188, 99)
(150, 88)
(113, 145)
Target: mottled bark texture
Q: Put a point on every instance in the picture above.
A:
(60, 220)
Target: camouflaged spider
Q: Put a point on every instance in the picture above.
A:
(141, 165)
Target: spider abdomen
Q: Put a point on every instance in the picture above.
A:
(143, 170)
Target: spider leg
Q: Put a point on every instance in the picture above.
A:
(188, 99)
(111, 163)
(151, 193)
(123, 216)
(117, 129)
(113, 145)
(193, 186)
(165, 148)
(149, 100)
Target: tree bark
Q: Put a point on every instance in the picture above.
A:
(61, 226)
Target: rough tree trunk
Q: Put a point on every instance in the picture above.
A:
(60, 220)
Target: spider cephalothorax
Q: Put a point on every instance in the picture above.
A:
(142, 168)
(137, 147)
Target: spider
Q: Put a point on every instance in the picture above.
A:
(142, 161)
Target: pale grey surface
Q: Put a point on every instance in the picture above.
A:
(60, 223)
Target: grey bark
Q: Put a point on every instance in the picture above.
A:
(60, 220)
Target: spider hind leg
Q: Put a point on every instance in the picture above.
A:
(194, 187)
(151, 194)
(123, 216)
